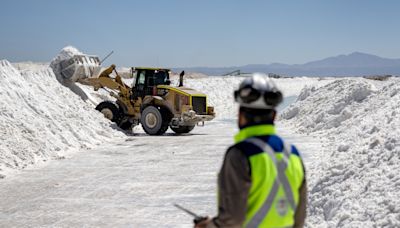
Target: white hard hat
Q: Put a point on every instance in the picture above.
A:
(258, 92)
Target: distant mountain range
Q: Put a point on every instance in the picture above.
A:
(354, 64)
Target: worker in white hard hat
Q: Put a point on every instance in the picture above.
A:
(262, 179)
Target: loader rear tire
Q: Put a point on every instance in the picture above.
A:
(109, 110)
(182, 129)
(153, 121)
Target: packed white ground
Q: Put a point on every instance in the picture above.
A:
(99, 176)
(130, 183)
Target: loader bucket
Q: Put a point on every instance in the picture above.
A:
(80, 67)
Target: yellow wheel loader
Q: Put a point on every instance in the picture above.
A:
(151, 101)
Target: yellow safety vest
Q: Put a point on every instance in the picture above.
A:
(276, 177)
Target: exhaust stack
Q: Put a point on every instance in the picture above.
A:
(181, 78)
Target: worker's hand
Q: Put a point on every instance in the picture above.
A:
(204, 223)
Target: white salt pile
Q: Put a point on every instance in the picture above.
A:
(220, 90)
(41, 119)
(356, 181)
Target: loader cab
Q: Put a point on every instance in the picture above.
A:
(149, 78)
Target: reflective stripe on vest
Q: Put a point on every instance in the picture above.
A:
(281, 179)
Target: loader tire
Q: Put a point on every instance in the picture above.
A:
(182, 129)
(154, 121)
(109, 110)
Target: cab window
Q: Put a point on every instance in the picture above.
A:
(160, 78)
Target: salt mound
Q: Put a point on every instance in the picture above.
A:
(331, 104)
(356, 181)
(220, 91)
(41, 119)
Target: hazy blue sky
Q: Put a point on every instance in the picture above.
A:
(176, 33)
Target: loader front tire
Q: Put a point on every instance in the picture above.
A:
(153, 121)
(109, 110)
